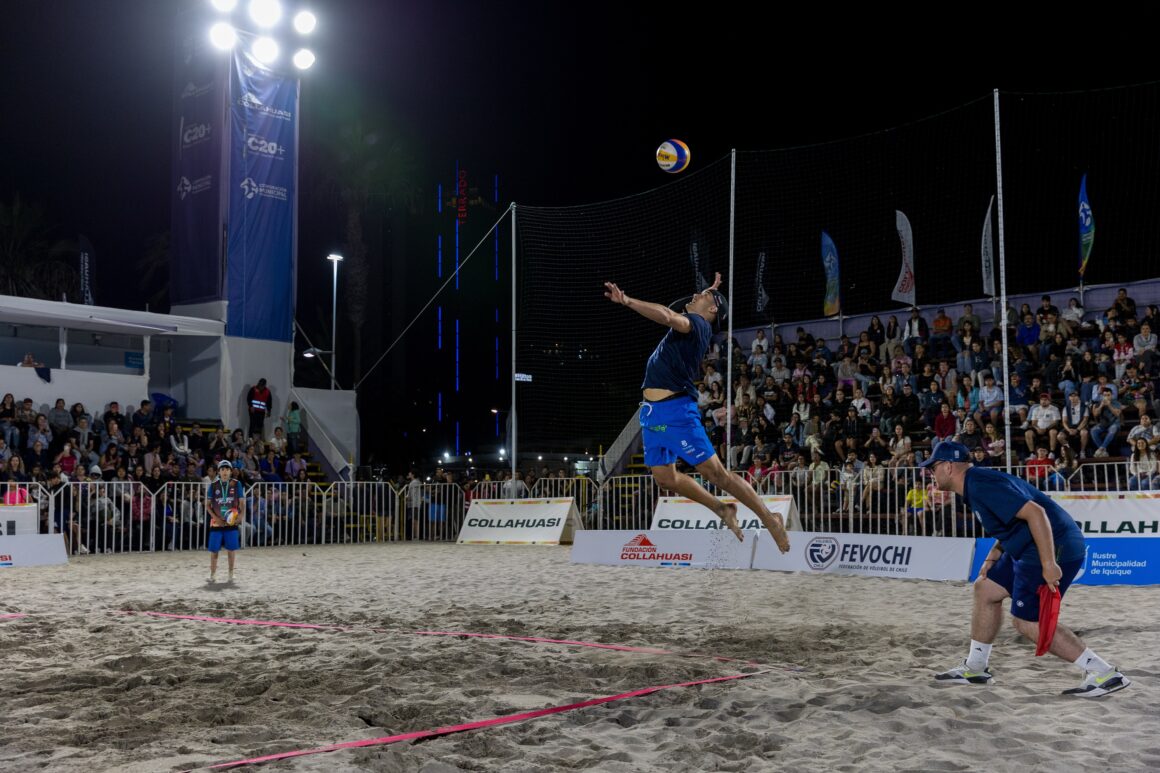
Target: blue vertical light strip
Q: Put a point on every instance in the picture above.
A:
(439, 327)
(456, 355)
(439, 257)
(497, 231)
(439, 408)
(439, 200)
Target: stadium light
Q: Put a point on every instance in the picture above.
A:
(225, 6)
(265, 13)
(223, 36)
(303, 59)
(265, 50)
(305, 22)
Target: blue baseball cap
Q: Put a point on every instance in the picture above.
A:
(947, 451)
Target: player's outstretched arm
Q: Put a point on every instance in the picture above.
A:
(653, 311)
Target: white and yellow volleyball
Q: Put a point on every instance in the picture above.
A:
(673, 156)
(233, 517)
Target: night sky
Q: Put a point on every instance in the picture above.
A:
(567, 102)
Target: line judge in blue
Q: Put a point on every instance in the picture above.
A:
(669, 419)
(1037, 543)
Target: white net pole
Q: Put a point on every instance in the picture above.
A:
(729, 323)
(512, 415)
(1002, 284)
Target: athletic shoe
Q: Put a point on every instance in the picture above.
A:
(83, 550)
(212, 578)
(231, 575)
(961, 675)
(1094, 685)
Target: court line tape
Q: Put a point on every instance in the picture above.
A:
(532, 639)
(442, 731)
(15, 616)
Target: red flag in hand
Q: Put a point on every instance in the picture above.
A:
(1048, 617)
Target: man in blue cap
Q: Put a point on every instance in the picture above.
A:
(669, 419)
(1037, 543)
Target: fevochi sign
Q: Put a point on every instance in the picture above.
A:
(871, 555)
(681, 513)
(519, 522)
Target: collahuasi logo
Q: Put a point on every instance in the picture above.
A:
(641, 548)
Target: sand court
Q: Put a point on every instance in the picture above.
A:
(90, 688)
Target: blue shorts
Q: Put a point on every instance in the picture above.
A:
(229, 538)
(672, 428)
(1022, 580)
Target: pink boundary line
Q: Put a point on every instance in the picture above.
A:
(533, 639)
(15, 616)
(442, 731)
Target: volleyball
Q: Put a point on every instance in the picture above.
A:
(673, 156)
(232, 518)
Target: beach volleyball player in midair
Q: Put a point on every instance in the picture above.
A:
(669, 419)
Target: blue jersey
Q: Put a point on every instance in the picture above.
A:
(995, 497)
(676, 362)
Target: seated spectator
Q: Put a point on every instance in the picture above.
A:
(980, 458)
(60, 421)
(1125, 307)
(36, 455)
(1065, 466)
(908, 411)
(994, 446)
(758, 358)
(1039, 467)
(1074, 421)
(941, 329)
(930, 401)
(990, 405)
(30, 361)
(269, 469)
(848, 433)
(899, 357)
(1027, 336)
(946, 424)
(1105, 411)
(1147, 430)
(970, 436)
(900, 447)
(1044, 423)
(1073, 313)
(969, 317)
(915, 332)
(68, 459)
(179, 444)
(1143, 468)
(143, 417)
(1144, 346)
(39, 432)
(875, 443)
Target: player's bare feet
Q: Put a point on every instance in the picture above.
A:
(776, 526)
(729, 518)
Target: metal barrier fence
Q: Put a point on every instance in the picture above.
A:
(124, 516)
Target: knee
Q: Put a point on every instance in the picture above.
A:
(665, 478)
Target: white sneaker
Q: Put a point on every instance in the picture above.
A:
(960, 674)
(212, 577)
(1094, 685)
(231, 575)
(83, 550)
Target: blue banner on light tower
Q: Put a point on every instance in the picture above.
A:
(196, 195)
(261, 249)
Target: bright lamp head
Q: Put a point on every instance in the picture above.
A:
(303, 59)
(225, 6)
(265, 13)
(265, 50)
(305, 22)
(222, 36)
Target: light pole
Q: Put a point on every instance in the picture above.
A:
(335, 259)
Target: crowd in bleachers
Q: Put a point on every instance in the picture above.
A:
(66, 450)
(1082, 385)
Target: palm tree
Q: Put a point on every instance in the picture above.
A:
(370, 174)
(33, 260)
